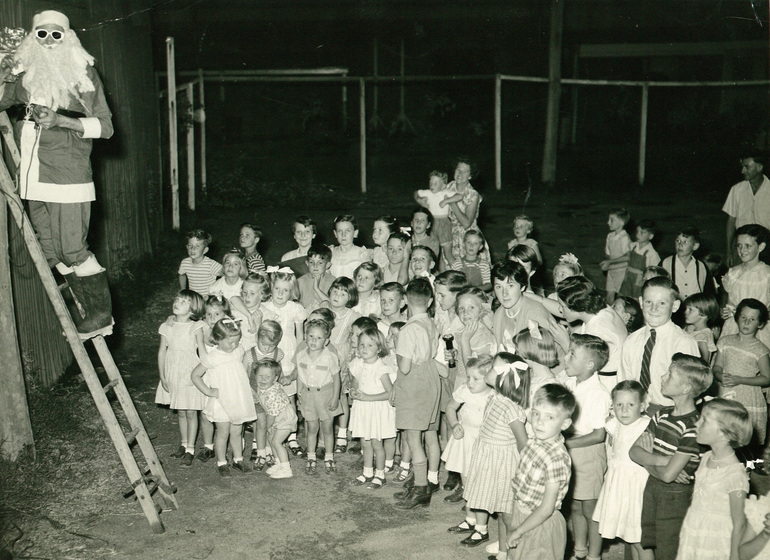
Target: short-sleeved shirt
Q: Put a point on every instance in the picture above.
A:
(418, 339)
(201, 276)
(675, 434)
(427, 241)
(669, 340)
(434, 198)
(477, 272)
(307, 296)
(747, 207)
(541, 462)
(319, 371)
(273, 399)
(618, 244)
(593, 404)
(255, 263)
(608, 326)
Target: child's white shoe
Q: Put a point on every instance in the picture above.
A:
(271, 469)
(282, 471)
(493, 547)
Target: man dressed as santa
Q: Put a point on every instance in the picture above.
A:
(52, 75)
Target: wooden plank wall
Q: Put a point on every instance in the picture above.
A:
(125, 167)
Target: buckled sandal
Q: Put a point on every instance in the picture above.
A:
(310, 468)
(260, 463)
(341, 447)
(331, 466)
(376, 483)
(361, 480)
(475, 539)
(296, 450)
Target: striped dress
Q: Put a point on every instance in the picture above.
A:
(494, 458)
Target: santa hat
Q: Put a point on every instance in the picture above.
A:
(49, 17)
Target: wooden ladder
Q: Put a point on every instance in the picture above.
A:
(153, 480)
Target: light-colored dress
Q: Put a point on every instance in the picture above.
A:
(740, 284)
(287, 316)
(380, 257)
(470, 197)
(619, 507)
(708, 525)
(181, 359)
(742, 361)
(756, 509)
(372, 419)
(344, 263)
(225, 371)
(458, 452)
(494, 458)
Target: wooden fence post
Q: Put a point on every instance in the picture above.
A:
(554, 93)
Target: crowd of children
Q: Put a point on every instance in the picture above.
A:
(419, 351)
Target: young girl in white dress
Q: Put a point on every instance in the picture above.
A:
(714, 525)
(372, 418)
(368, 279)
(619, 507)
(464, 415)
(229, 404)
(495, 456)
(181, 342)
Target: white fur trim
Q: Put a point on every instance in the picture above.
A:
(92, 128)
(49, 17)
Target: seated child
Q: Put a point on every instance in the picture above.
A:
(248, 239)
(536, 529)
(434, 199)
(368, 279)
(476, 269)
(616, 249)
(522, 229)
(384, 227)
(422, 263)
(318, 261)
(422, 222)
(669, 450)
(197, 272)
(391, 305)
(701, 316)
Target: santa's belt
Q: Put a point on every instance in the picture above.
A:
(70, 114)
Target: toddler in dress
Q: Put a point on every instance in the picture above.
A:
(181, 341)
(229, 404)
(281, 418)
(464, 415)
(619, 507)
(372, 418)
(714, 524)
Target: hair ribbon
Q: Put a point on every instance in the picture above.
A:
(568, 258)
(283, 270)
(513, 369)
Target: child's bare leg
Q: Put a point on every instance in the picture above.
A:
(442, 431)
(236, 442)
(182, 419)
(366, 445)
(419, 459)
(220, 441)
(433, 450)
(192, 429)
(327, 432)
(592, 527)
(276, 442)
(260, 431)
(579, 527)
(207, 431)
(311, 432)
(342, 431)
(379, 454)
(389, 445)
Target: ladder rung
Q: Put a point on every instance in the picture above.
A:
(131, 436)
(111, 384)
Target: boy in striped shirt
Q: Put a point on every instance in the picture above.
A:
(197, 271)
(670, 453)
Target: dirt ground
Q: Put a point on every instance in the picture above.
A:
(252, 516)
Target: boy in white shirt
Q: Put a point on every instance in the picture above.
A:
(689, 274)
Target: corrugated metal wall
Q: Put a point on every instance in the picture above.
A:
(125, 167)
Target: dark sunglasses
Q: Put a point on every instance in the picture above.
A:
(55, 35)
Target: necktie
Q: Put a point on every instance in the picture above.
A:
(644, 376)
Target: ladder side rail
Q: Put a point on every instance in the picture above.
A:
(7, 130)
(132, 415)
